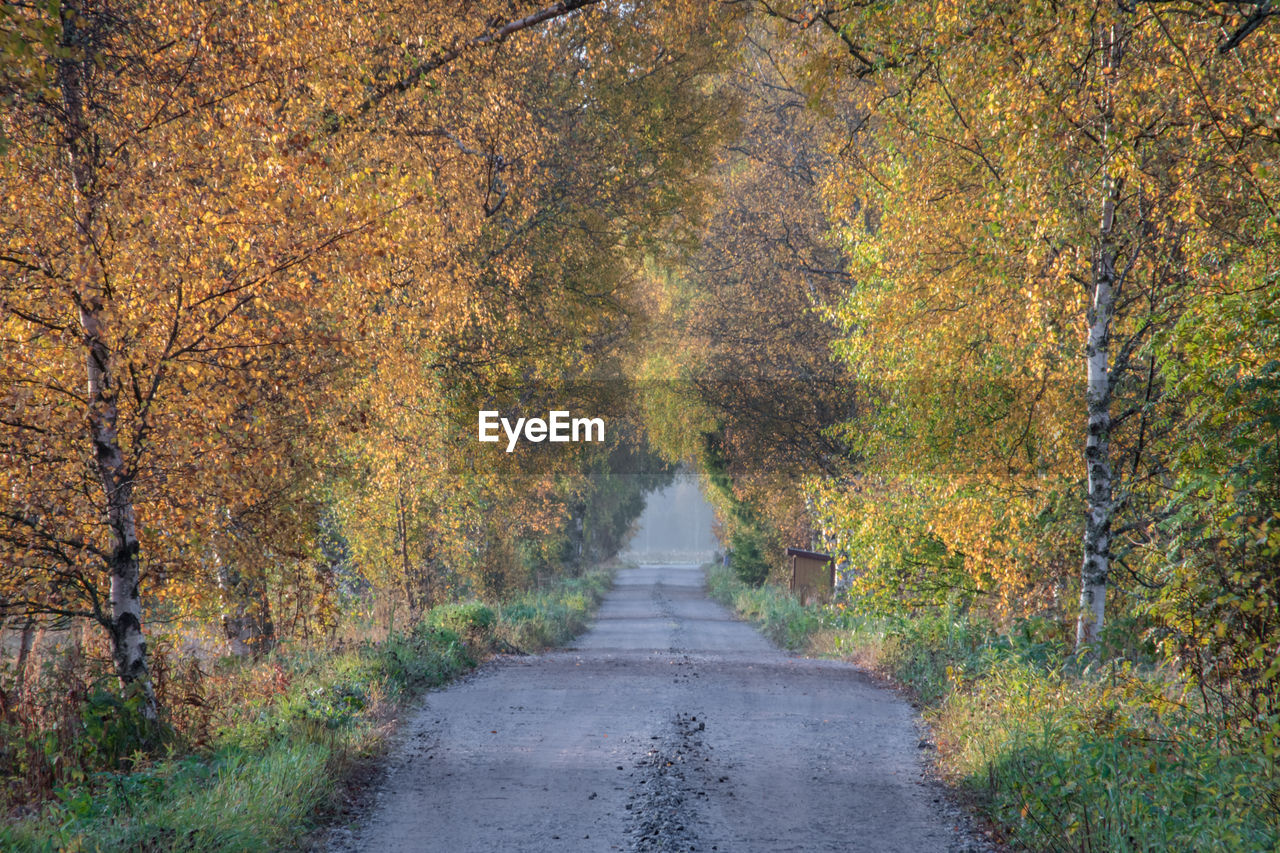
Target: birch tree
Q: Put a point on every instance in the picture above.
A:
(199, 202)
(1046, 178)
(1100, 509)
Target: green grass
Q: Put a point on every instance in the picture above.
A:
(1061, 755)
(275, 762)
(543, 619)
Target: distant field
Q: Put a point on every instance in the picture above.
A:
(660, 558)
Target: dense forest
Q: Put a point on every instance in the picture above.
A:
(978, 297)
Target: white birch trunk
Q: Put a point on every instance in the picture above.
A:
(1096, 565)
(129, 647)
(1097, 527)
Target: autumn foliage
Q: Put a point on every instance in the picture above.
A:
(1050, 321)
(981, 297)
(261, 266)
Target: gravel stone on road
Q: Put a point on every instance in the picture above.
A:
(669, 726)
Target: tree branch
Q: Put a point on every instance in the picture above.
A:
(494, 35)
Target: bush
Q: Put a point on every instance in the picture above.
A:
(472, 620)
(231, 801)
(779, 615)
(1107, 762)
(747, 559)
(537, 620)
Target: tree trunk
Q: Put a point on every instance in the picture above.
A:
(1097, 526)
(424, 574)
(576, 531)
(1096, 565)
(26, 641)
(129, 646)
(124, 622)
(411, 591)
(246, 612)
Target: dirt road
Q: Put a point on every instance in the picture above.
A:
(669, 726)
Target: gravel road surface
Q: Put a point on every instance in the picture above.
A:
(668, 726)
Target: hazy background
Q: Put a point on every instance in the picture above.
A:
(675, 527)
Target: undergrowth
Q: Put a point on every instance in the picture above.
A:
(1062, 754)
(261, 747)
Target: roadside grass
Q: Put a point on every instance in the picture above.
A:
(284, 732)
(1061, 754)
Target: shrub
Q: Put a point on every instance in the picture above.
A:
(747, 558)
(472, 620)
